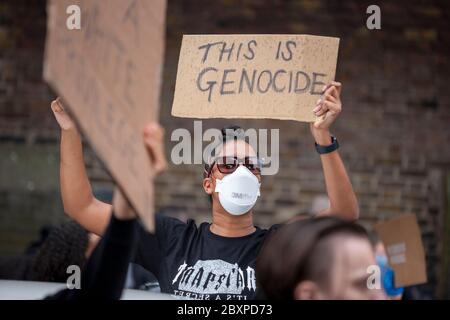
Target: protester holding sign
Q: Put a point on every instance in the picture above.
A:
(206, 261)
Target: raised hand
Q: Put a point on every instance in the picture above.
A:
(328, 108)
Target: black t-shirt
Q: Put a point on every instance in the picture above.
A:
(192, 262)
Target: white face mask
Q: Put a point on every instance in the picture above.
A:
(238, 191)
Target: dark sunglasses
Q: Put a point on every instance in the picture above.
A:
(227, 164)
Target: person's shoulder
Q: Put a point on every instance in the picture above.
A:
(202, 228)
(168, 221)
(167, 218)
(269, 230)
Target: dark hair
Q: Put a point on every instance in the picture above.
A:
(299, 251)
(232, 132)
(65, 245)
(229, 133)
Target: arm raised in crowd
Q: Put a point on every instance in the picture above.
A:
(343, 202)
(78, 199)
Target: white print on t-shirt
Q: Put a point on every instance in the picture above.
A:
(214, 276)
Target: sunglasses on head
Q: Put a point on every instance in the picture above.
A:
(228, 164)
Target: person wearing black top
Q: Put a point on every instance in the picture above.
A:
(211, 260)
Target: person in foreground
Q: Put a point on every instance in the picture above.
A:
(318, 259)
(210, 260)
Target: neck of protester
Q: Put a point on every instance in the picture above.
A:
(227, 225)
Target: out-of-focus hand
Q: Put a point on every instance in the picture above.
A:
(154, 141)
(64, 120)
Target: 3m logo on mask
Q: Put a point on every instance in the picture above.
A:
(241, 196)
(214, 277)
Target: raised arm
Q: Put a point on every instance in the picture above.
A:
(343, 202)
(78, 199)
(76, 192)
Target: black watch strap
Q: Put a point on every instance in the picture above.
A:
(327, 149)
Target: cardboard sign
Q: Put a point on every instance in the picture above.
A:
(108, 74)
(253, 76)
(403, 243)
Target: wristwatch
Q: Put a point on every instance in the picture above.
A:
(327, 149)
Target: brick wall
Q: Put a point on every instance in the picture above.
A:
(393, 131)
